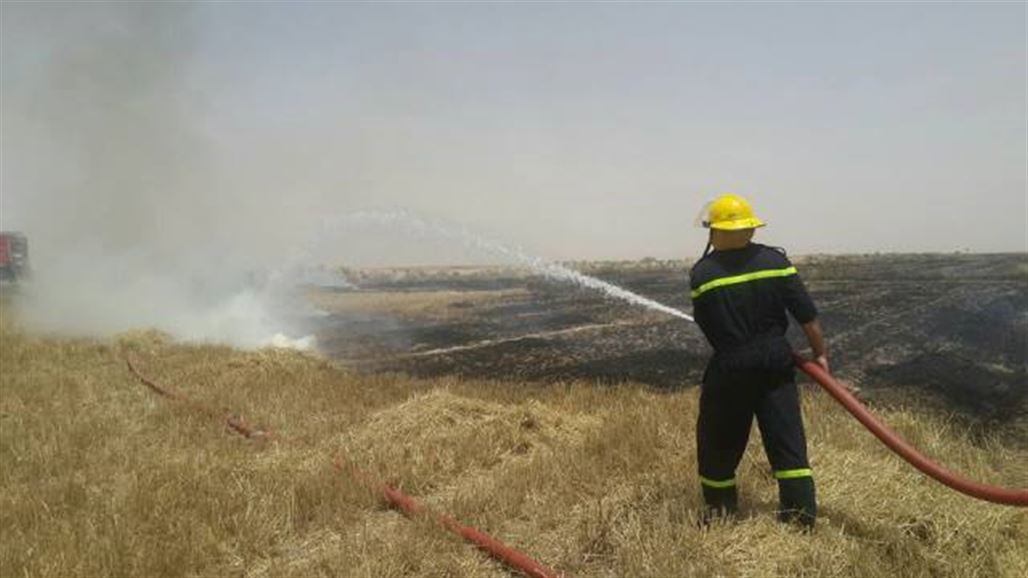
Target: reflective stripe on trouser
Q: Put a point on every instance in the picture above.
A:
(717, 483)
(720, 494)
(796, 473)
(723, 497)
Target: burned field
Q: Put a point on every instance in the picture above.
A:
(951, 330)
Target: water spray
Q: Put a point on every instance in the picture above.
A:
(548, 269)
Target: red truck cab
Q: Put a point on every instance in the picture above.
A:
(14, 256)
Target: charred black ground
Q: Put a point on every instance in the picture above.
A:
(954, 327)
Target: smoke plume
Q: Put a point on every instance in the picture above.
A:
(109, 171)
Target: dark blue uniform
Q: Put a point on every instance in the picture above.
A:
(740, 299)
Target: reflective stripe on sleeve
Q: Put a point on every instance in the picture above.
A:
(717, 483)
(790, 474)
(744, 278)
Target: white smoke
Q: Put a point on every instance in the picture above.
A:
(89, 293)
(108, 170)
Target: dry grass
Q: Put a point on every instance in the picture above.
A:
(98, 476)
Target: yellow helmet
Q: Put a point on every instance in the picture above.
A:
(730, 213)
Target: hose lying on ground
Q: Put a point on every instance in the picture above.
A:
(483, 541)
(512, 558)
(234, 423)
(998, 495)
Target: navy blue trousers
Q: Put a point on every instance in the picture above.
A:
(728, 403)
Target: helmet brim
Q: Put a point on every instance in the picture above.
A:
(738, 224)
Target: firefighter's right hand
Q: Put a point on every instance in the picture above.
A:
(822, 360)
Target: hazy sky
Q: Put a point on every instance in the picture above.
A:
(576, 130)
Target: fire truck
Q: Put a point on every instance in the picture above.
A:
(14, 256)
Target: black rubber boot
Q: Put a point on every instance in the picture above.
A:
(721, 504)
(797, 502)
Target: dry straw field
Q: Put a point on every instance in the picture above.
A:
(100, 477)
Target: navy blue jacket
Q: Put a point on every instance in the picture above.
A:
(740, 298)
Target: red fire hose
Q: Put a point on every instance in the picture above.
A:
(1010, 497)
(491, 546)
(234, 423)
(483, 541)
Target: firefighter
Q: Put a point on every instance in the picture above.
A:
(741, 292)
